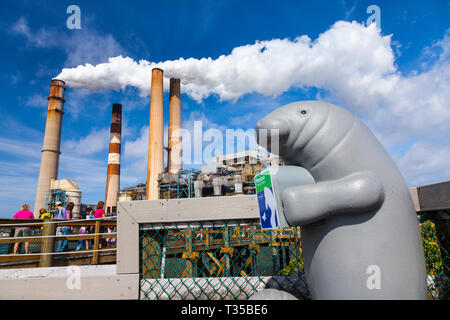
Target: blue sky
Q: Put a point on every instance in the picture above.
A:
(411, 117)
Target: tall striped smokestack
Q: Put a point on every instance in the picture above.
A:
(175, 147)
(51, 145)
(113, 173)
(155, 162)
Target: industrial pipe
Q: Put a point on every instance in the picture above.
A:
(237, 180)
(217, 186)
(113, 172)
(155, 159)
(174, 159)
(51, 145)
(198, 188)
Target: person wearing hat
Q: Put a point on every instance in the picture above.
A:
(67, 215)
(60, 212)
(60, 216)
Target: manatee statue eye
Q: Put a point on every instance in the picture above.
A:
(303, 112)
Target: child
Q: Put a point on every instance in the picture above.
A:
(84, 244)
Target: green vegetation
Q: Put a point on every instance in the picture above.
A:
(433, 259)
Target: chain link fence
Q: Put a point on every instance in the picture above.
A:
(435, 237)
(219, 260)
(235, 259)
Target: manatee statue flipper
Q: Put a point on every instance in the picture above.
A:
(359, 192)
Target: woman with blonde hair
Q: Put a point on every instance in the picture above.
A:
(25, 213)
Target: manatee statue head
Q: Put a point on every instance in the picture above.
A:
(301, 132)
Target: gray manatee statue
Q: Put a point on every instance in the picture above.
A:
(360, 232)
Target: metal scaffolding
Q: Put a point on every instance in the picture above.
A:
(183, 187)
(52, 197)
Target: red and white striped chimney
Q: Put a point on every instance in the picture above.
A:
(113, 173)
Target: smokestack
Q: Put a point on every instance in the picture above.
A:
(155, 162)
(51, 145)
(174, 159)
(113, 173)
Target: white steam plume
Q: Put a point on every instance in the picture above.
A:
(345, 59)
(353, 64)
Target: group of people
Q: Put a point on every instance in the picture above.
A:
(61, 214)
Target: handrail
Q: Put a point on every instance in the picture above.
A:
(49, 236)
(41, 222)
(70, 237)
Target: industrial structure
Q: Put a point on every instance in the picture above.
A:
(230, 174)
(51, 146)
(51, 190)
(113, 172)
(64, 191)
(175, 152)
(155, 160)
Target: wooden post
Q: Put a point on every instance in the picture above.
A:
(47, 243)
(96, 242)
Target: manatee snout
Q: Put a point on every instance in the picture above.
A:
(271, 132)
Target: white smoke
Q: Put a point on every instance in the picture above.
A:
(352, 63)
(348, 58)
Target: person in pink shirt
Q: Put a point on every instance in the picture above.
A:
(99, 213)
(25, 213)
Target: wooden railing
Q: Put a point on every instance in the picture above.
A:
(45, 234)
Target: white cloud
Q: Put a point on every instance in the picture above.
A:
(80, 47)
(21, 148)
(346, 58)
(136, 149)
(36, 101)
(425, 162)
(97, 140)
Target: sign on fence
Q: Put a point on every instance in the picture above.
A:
(269, 212)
